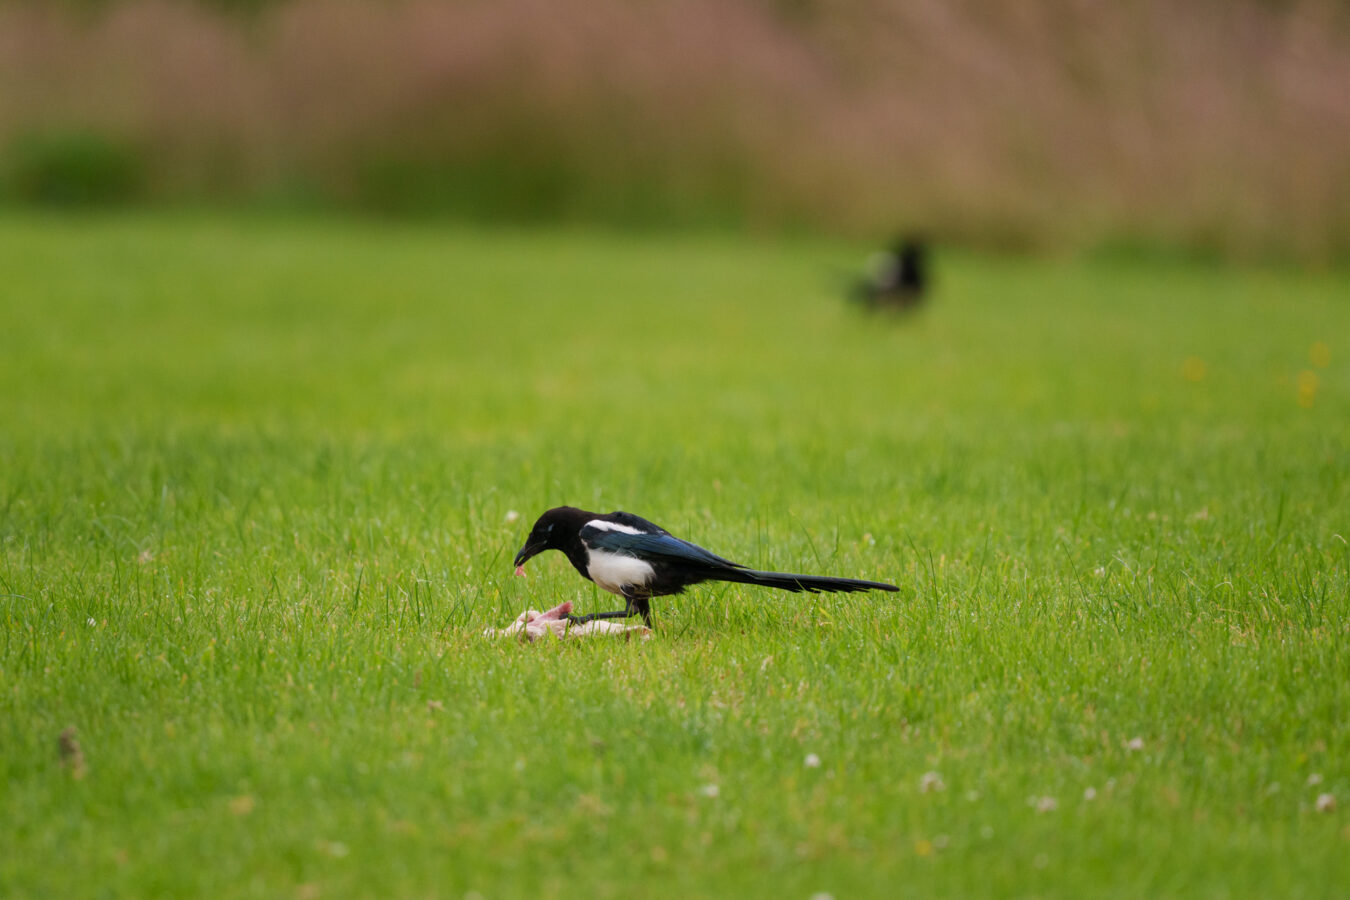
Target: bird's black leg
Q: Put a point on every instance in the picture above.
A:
(643, 607)
(637, 605)
(591, 617)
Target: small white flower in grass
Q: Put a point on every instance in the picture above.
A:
(812, 761)
(1100, 571)
(710, 790)
(1045, 804)
(822, 895)
(1314, 779)
(511, 516)
(931, 781)
(90, 622)
(1136, 743)
(1090, 793)
(1326, 802)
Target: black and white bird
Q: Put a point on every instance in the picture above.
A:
(898, 278)
(636, 559)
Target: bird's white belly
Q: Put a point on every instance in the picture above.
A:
(614, 570)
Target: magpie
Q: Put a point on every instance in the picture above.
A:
(899, 277)
(638, 560)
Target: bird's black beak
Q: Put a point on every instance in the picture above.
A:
(528, 551)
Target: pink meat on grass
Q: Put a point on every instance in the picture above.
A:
(532, 625)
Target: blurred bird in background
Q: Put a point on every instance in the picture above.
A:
(897, 278)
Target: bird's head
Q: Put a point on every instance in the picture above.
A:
(548, 533)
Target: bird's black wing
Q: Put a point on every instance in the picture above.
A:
(662, 547)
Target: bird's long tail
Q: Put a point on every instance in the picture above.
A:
(812, 584)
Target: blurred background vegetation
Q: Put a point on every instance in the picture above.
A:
(1217, 127)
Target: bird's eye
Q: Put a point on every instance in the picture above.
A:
(550, 527)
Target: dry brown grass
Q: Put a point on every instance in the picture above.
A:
(1216, 126)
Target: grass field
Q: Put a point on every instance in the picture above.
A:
(256, 488)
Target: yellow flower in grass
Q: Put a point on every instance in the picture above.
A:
(1194, 369)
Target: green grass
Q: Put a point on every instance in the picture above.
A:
(255, 481)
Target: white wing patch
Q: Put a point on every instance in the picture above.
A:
(614, 570)
(602, 525)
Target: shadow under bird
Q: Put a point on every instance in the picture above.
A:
(636, 559)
